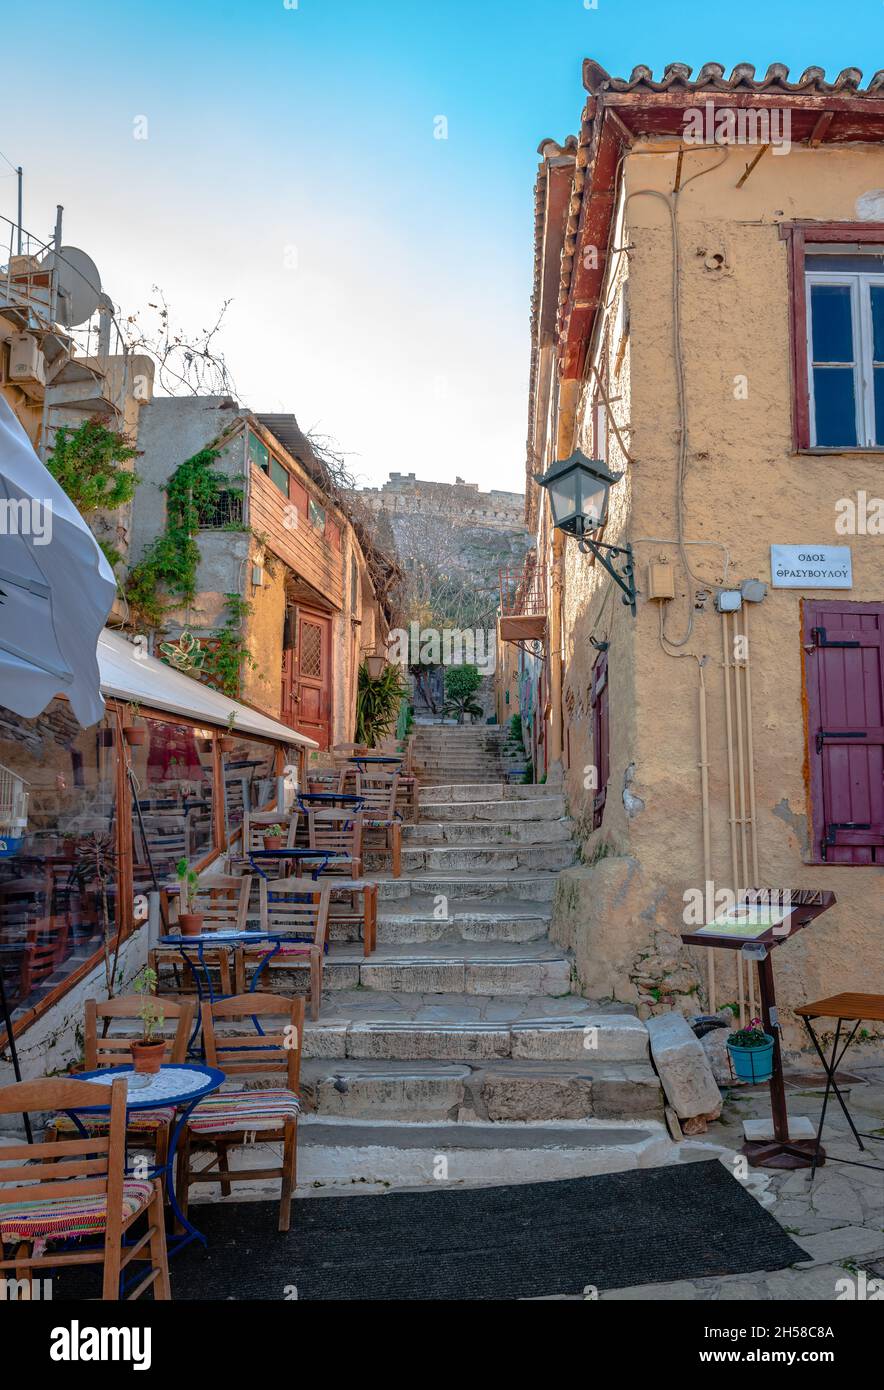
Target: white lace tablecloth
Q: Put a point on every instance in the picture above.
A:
(165, 1085)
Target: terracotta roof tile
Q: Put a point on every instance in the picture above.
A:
(710, 77)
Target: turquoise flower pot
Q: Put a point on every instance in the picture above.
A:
(753, 1063)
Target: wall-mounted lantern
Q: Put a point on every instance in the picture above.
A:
(578, 490)
(374, 666)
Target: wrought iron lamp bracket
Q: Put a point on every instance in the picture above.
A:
(624, 579)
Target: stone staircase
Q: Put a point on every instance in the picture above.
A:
(460, 1034)
(462, 753)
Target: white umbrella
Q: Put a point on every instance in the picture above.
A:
(56, 587)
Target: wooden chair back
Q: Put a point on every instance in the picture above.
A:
(77, 1167)
(223, 902)
(256, 824)
(296, 906)
(336, 829)
(325, 779)
(235, 1052)
(378, 790)
(111, 1049)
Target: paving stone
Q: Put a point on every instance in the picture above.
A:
(843, 1243)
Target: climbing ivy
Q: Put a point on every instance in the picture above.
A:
(85, 462)
(224, 661)
(167, 571)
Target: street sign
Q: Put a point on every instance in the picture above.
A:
(811, 567)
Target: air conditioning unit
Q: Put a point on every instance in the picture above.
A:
(26, 361)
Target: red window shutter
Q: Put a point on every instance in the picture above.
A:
(844, 665)
(600, 735)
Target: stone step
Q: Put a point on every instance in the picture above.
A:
(451, 967)
(451, 859)
(523, 809)
(484, 791)
(527, 887)
(340, 1156)
(491, 832)
(369, 1025)
(416, 919)
(500, 1091)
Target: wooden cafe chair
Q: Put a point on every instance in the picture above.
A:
(299, 908)
(111, 1049)
(53, 1194)
(227, 1118)
(379, 791)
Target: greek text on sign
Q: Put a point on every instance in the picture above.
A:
(811, 567)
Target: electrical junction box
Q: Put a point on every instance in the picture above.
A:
(728, 600)
(26, 359)
(661, 579)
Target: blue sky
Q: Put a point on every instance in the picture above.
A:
(380, 276)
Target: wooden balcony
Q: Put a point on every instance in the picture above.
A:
(523, 602)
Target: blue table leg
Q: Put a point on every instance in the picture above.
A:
(178, 1241)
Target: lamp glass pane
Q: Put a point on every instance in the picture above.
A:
(563, 496)
(594, 500)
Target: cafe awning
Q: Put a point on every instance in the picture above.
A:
(128, 673)
(56, 587)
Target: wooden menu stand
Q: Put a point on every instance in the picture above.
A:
(806, 905)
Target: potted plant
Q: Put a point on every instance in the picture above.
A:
(228, 742)
(191, 922)
(134, 737)
(274, 836)
(751, 1052)
(147, 1052)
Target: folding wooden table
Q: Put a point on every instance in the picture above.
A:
(803, 907)
(844, 1008)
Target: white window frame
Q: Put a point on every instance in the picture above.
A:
(860, 284)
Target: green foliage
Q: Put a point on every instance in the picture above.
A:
(85, 462)
(150, 1010)
(223, 663)
(516, 727)
(377, 704)
(168, 568)
(189, 880)
(461, 683)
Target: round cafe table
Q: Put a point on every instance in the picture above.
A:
(175, 1084)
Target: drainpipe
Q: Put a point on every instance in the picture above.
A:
(569, 392)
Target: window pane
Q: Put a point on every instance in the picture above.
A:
(877, 294)
(174, 772)
(835, 407)
(249, 779)
(317, 516)
(879, 405)
(58, 891)
(847, 260)
(279, 475)
(258, 453)
(832, 320)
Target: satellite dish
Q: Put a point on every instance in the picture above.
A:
(78, 285)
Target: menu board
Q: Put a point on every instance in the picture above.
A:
(746, 921)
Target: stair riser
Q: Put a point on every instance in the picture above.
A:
(627, 1041)
(536, 832)
(540, 889)
(551, 978)
(484, 791)
(492, 1094)
(495, 859)
(537, 809)
(403, 933)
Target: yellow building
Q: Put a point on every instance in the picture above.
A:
(708, 321)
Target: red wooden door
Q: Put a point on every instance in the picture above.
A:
(844, 673)
(307, 677)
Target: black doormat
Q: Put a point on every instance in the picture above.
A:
(525, 1241)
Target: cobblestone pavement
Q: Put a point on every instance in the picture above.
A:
(838, 1218)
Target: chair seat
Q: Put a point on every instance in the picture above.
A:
(136, 1119)
(373, 824)
(49, 1218)
(227, 1111)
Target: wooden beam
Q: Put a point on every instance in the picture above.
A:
(819, 130)
(749, 167)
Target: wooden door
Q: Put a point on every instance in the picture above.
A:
(844, 673)
(307, 677)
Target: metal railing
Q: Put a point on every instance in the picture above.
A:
(523, 589)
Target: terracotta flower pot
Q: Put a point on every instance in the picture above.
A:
(191, 923)
(272, 841)
(147, 1057)
(135, 737)
(228, 745)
